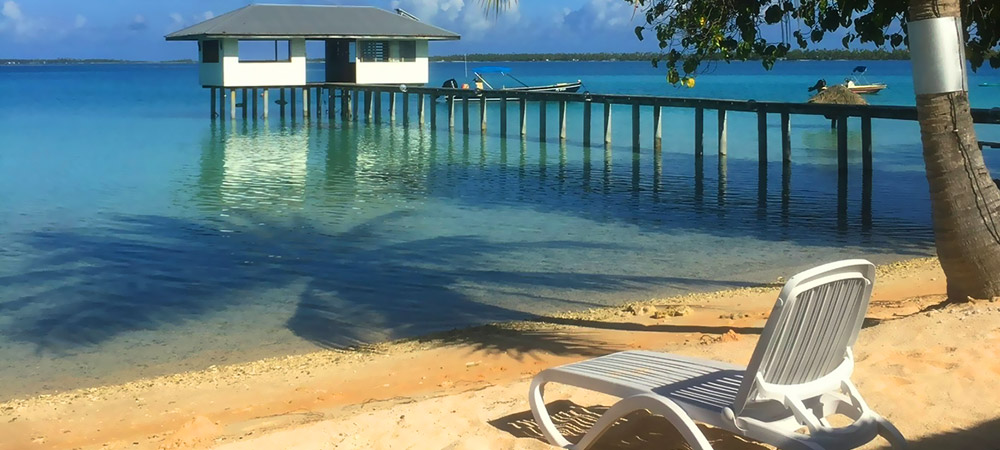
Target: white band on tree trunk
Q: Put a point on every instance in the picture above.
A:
(937, 51)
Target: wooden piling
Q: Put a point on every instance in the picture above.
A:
(465, 114)
(761, 136)
(503, 116)
(587, 119)
(699, 132)
(842, 145)
(243, 101)
(392, 107)
(346, 105)
(421, 108)
(253, 103)
(562, 120)
(523, 104)
(305, 103)
(406, 109)
(222, 102)
(281, 102)
(866, 144)
(482, 115)
(607, 123)
(294, 104)
(636, 144)
(786, 138)
(657, 127)
(368, 106)
(211, 103)
(232, 104)
(434, 112)
(265, 102)
(722, 132)
(542, 119)
(377, 95)
(319, 104)
(356, 104)
(451, 112)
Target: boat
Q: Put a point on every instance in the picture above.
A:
(855, 83)
(989, 84)
(504, 73)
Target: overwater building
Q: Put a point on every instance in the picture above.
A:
(265, 45)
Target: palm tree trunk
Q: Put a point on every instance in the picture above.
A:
(965, 202)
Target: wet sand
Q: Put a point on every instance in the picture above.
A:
(930, 370)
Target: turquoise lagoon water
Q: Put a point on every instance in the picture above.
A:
(138, 237)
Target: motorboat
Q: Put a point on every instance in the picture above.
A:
(500, 76)
(855, 83)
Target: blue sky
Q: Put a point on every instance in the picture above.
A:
(134, 29)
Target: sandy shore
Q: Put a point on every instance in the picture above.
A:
(932, 371)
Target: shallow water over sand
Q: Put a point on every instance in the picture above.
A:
(139, 238)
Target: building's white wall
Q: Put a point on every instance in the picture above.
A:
(415, 72)
(233, 73)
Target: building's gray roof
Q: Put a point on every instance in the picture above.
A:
(310, 21)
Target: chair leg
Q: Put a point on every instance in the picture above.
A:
(535, 398)
(655, 404)
(889, 432)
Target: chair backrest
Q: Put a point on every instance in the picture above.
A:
(812, 327)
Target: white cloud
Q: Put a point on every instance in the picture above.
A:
(12, 18)
(138, 23)
(177, 18)
(207, 15)
(12, 11)
(80, 21)
(600, 15)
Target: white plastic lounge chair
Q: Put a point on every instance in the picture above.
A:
(798, 376)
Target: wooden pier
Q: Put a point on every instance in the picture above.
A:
(374, 99)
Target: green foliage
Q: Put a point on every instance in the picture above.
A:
(693, 31)
(796, 54)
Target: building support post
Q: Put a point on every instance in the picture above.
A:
(420, 110)
(378, 105)
(356, 105)
(392, 107)
(232, 104)
(211, 103)
(319, 103)
(281, 103)
(253, 103)
(406, 109)
(243, 101)
(222, 102)
(305, 103)
(291, 111)
(266, 102)
(587, 119)
(368, 106)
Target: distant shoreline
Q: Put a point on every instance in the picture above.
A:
(794, 55)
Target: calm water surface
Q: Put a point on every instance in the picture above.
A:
(138, 238)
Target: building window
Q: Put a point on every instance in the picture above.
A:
(209, 51)
(374, 51)
(265, 51)
(408, 51)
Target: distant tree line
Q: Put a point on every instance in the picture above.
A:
(814, 55)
